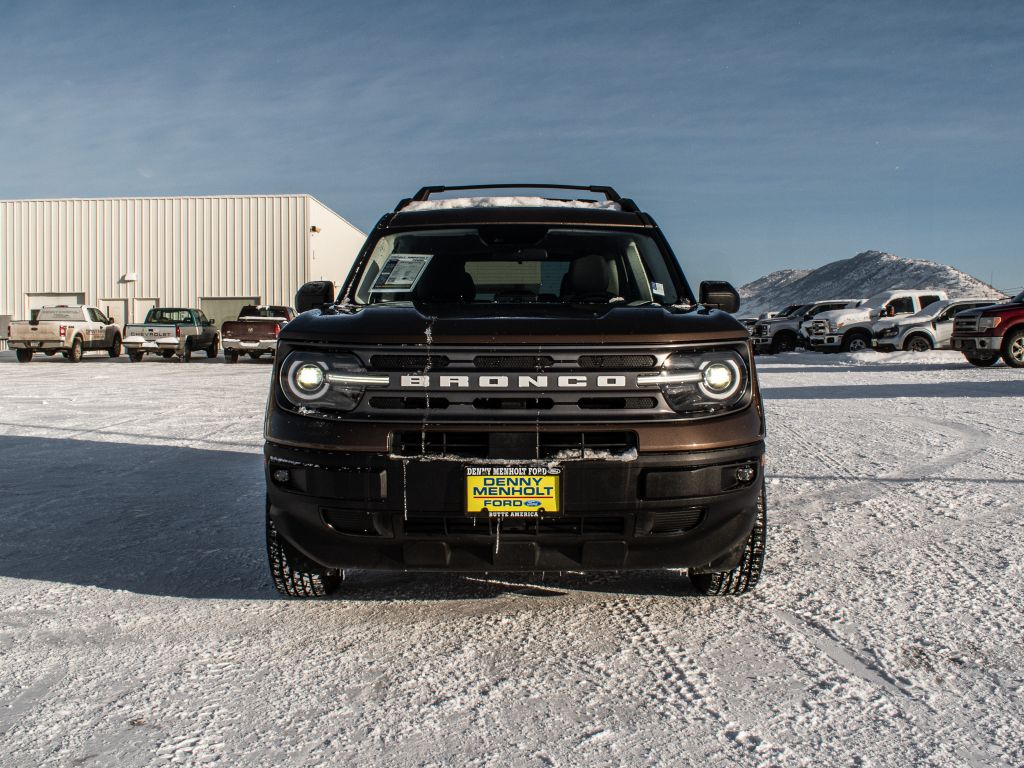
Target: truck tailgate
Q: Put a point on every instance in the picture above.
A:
(251, 330)
(150, 332)
(31, 330)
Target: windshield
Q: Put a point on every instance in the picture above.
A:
(788, 310)
(274, 312)
(519, 264)
(1018, 299)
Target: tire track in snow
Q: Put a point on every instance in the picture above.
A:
(683, 688)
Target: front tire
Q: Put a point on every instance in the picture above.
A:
(75, 353)
(918, 343)
(24, 355)
(1013, 349)
(254, 355)
(214, 349)
(783, 342)
(743, 577)
(982, 362)
(115, 348)
(856, 342)
(230, 355)
(293, 575)
(135, 356)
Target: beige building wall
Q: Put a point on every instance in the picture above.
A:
(174, 251)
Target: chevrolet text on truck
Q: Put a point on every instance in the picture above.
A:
(515, 384)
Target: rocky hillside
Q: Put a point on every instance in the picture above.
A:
(865, 274)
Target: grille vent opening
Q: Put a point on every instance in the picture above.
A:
(617, 403)
(514, 403)
(409, 362)
(477, 444)
(617, 362)
(677, 520)
(513, 362)
(410, 403)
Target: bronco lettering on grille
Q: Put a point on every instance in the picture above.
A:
(525, 381)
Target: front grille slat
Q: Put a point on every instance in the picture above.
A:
(544, 445)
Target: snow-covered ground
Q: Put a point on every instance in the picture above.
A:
(138, 625)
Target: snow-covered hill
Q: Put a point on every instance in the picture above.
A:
(865, 274)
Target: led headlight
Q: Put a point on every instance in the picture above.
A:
(703, 384)
(325, 380)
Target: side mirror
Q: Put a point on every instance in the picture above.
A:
(719, 294)
(313, 295)
(210, 321)
(108, 321)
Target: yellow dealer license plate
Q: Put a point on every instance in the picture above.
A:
(516, 491)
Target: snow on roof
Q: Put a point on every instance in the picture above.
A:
(508, 202)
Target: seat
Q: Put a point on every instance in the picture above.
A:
(590, 277)
(446, 282)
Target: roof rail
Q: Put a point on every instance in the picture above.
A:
(609, 192)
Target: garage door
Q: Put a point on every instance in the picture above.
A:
(221, 308)
(36, 301)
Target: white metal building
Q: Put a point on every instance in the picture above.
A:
(128, 254)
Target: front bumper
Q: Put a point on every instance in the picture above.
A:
(374, 511)
(977, 344)
(263, 345)
(825, 342)
(885, 345)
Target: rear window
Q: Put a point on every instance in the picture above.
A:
(169, 316)
(60, 313)
(274, 312)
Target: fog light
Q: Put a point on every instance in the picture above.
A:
(746, 473)
(281, 476)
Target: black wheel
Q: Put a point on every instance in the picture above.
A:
(293, 575)
(856, 342)
(115, 348)
(24, 355)
(982, 362)
(254, 355)
(783, 342)
(743, 577)
(186, 353)
(214, 349)
(167, 354)
(136, 356)
(1013, 349)
(917, 343)
(75, 353)
(231, 355)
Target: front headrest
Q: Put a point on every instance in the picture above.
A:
(589, 275)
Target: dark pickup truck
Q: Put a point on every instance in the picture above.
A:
(986, 334)
(515, 384)
(255, 331)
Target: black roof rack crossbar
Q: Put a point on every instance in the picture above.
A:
(608, 192)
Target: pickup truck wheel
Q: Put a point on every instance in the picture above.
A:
(982, 362)
(115, 348)
(24, 355)
(783, 342)
(167, 354)
(135, 357)
(75, 353)
(231, 355)
(1013, 349)
(743, 577)
(214, 349)
(856, 342)
(917, 343)
(254, 355)
(293, 575)
(186, 353)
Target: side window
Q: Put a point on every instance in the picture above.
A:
(926, 300)
(96, 316)
(200, 317)
(902, 306)
(947, 314)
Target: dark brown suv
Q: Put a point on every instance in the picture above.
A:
(515, 384)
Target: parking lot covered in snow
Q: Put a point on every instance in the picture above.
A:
(138, 623)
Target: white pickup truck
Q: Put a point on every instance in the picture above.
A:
(69, 330)
(784, 333)
(849, 330)
(931, 328)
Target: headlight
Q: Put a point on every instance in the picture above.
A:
(327, 381)
(988, 323)
(703, 384)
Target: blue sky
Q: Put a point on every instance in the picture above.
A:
(760, 135)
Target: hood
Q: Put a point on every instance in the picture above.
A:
(991, 309)
(844, 316)
(513, 324)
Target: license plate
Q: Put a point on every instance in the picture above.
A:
(514, 491)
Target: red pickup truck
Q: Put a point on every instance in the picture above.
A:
(254, 332)
(985, 334)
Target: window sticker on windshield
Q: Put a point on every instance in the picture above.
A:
(401, 272)
(657, 289)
